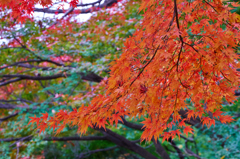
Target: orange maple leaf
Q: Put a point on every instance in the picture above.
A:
(116, 117)
(34, 119)
(226, 119)
(182, 123)
(187, 130)
(217, 113)
(176, 132)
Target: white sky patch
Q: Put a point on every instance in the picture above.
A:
(79, 17)
(40, 15)
(66, 6)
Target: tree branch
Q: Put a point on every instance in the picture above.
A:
(131, 125)
(180, 154)
(190, 153)
(107, 3)
(123, 142)
(194, 122)
(29, 61)
(11, 106)
(86, 154)
(8, 117)
(160, 149)
(84, 138)
(89, 77)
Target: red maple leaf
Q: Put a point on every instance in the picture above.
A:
(34, 119)
(176, 132)
(182, 123)
(187, 130)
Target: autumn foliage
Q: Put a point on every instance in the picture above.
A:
(182, 57)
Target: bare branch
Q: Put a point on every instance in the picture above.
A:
(75, 138)
(84, 138)
(123, 142)
(30, 61)
(180, 154)
(70, 10)
(3, 48)
(89, 77)
(26, 48)
(8, 117)
(107, 3)
(10, 81)
(89, 4)
(33, 77)
(160, 149)
(11, 106)
(86, 154)
(190, 153)
(131, 125)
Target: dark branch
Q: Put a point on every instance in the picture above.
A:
(194, 122)
(29, 61)
(190, 153)
(8, 117)
(123, 142)
(10, 81)
(237, 93)
(131, 125)
(11, 106)
(89, 77)
(26, 48)
(33, 77)
(160, 149)
(107, 3)
(86, 154)
(84, 138)
(89, 4)
(180, 154)
(3, 48)
(36, 67)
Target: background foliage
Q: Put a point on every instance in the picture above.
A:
(75, 56)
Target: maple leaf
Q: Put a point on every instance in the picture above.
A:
(208, 121)
(34, 119)
(101, 123)
(166, 136)
(42, 127)
(116, 117)
(217, 113)
(176, 132)
(45, 116)
(190, 114)
(212, 122)
(146, 122)
(146, 135)
(187, 130)
(60, 128)
(182, 123)
(226, 119)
